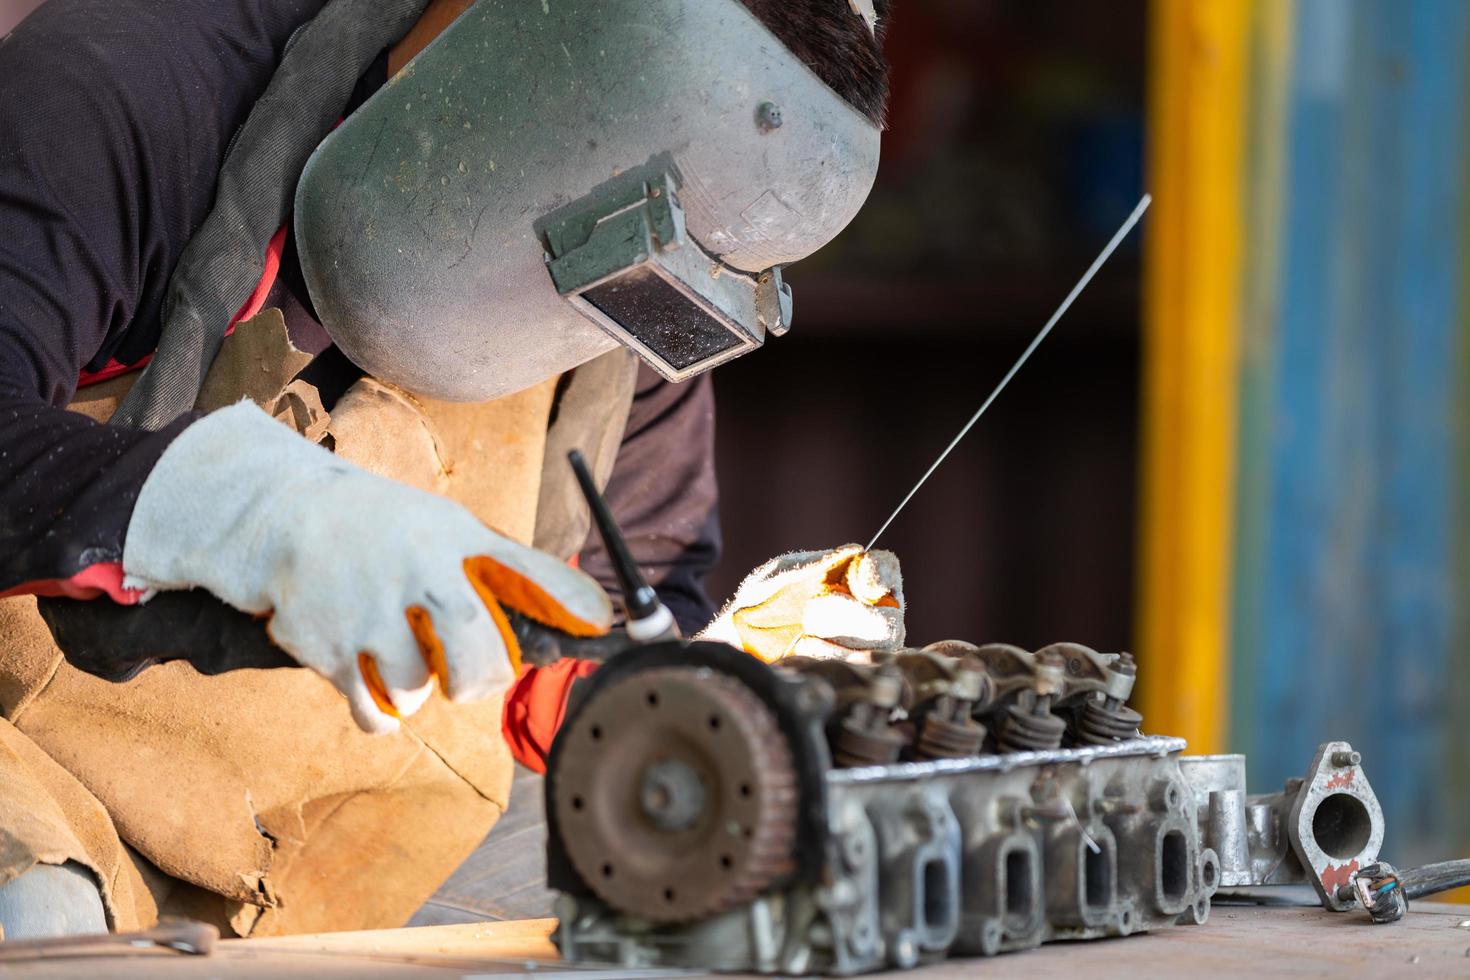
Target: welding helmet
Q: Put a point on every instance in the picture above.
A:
(550, 179)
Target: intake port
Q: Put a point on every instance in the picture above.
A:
(1079, 871)
(1020, 892)
(1097, 878)
(1174, 866)
(938, 909)
(1003, 895)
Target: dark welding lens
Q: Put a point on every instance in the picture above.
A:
(661, 318)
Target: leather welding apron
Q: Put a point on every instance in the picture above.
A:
(251, 799)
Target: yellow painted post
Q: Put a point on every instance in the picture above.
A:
(1193, 259)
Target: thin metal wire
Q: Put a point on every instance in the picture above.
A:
(1097, 263)
(1086, 837)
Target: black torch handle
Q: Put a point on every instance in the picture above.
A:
(639, 598)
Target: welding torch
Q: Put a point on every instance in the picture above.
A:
(648, 619)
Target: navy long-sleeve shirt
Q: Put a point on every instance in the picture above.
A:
(115, 116)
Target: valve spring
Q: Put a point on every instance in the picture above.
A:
(856, 746)
(1100, 724)
(943, 739)
(1023, 731)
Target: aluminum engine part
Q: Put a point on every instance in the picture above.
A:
(954, 857)
(899, 862)
(922, 830)
(1319, 830)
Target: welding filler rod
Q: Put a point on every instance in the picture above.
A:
(1097, 263)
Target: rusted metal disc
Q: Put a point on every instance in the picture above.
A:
(676, 795)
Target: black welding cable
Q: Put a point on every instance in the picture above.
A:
(1434, 878)
(257, 184)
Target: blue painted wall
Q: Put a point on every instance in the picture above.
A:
(1345, 589)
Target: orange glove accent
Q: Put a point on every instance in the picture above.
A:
(496, 580)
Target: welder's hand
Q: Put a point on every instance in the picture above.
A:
(845, 603)
(381, 588)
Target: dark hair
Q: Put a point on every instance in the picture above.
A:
(834, 42)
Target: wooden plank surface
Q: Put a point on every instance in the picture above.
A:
(1244, 941)
(1251, 941)
(1433, 941)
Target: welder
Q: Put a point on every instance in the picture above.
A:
(297, 301)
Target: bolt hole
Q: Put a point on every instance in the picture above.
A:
(577, 803)
(727, 862)
(607, 871)
(596, 733)
(745, 790)
(668, 894)
(714, 723)
(652, 699)
(1209, 874)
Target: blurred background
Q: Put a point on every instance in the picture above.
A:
(1245, 453)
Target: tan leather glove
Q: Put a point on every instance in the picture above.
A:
(844, 603)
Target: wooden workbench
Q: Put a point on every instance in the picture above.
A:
(1237, 942)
